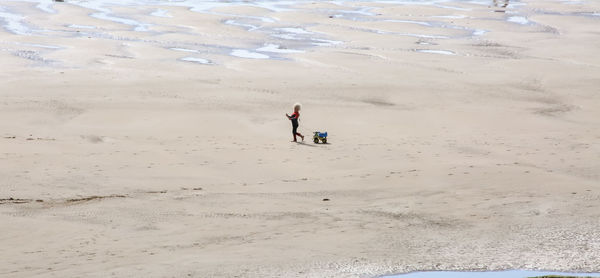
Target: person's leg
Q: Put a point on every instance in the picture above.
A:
(301, 136)
(294, 129)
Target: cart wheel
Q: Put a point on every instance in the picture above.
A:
(316, 140)
(324, 140)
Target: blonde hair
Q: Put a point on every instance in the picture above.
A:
(297, 105)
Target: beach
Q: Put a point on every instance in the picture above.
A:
(149, 138)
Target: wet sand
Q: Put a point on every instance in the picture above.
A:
(151, 141)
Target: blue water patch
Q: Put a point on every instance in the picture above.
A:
(487, 274)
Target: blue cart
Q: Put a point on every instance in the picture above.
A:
(320, 136)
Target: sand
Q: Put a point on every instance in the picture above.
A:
(462, 136)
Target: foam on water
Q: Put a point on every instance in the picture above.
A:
(479, 32)
(46, 7)
(452, 8)
(286, 37)
(363, 11)
(77, 26)
(420, 35)
(433, 51)
(242, 53)
(161, 13)
(14, 22)
(571, 2)
(104, 13)
(263, 19)
(140, 27)
(43, 5)
(184, 50)
(409, 21)
(460, 16)
(302, 36)
(248, 27)
(322, 42)
(294, 30)
(197, 60)
(518, 19)
(205, 6)
(434, 3)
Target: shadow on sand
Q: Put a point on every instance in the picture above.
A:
(310, 144)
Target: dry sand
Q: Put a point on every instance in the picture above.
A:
(119, 159)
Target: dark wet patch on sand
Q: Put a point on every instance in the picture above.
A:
(378, 102)
(12, 200)
(413, 219)
(91, 198)
(555, 110)
(17, 201)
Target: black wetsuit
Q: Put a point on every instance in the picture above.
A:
(294, 118)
